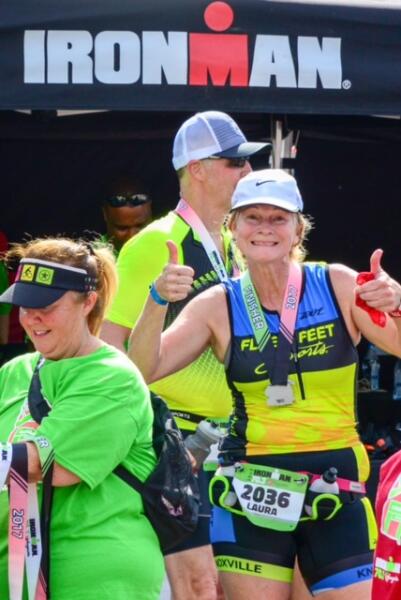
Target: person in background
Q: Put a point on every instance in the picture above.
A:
(4, 309)
(127, 209)
(102, 546)
(210, 155)
(12, 335)
(387, 561)
(292, 467)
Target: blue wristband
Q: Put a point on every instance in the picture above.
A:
(156, 296)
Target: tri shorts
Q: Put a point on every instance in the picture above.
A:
(331, 554)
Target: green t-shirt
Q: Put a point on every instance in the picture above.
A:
(102, 545)
(201, 387)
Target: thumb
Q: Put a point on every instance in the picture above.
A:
(172, 252)
(375, 259)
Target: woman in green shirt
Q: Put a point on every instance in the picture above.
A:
(102, 546)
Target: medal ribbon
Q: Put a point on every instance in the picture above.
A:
(38, 559)
(18, 482)
(33, 545)
(24, 519)
(260, 327)
(26, 546)
(190, 217)
(37, 586)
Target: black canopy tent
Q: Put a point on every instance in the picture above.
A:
(264, 56)
(320, 68)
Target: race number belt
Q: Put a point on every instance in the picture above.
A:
(273, 498)
(269, 497)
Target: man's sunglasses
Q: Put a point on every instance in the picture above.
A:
(127, 200)
(237, 162)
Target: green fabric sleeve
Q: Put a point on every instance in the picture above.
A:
(140, 262)
(92, 424)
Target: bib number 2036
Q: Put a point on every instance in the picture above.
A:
(268, 496)
(271, 498)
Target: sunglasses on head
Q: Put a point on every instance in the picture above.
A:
(128, 200)
(237, 162)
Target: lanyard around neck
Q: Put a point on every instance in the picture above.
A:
(190, 217)
(260, 327)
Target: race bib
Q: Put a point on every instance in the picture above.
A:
(270, 498)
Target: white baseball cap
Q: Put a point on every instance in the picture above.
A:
(211, 133)
(268, 186)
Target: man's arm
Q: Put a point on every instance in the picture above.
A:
(203, 322)
(140, 262)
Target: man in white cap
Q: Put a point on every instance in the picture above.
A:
(210, 155)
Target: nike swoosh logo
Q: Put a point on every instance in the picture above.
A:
(265, 181)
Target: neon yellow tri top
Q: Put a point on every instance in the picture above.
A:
(200, 390)
(322, 416)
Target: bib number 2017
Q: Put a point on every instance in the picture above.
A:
(268, 496)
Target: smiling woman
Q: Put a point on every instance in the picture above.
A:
(290, 482)
(267, 224)
(99, 417)
(59, 330)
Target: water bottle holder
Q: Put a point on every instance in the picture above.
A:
(323, 506)
(219, 488)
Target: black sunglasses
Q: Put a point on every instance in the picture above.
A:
(127, 200)
(237, 162)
